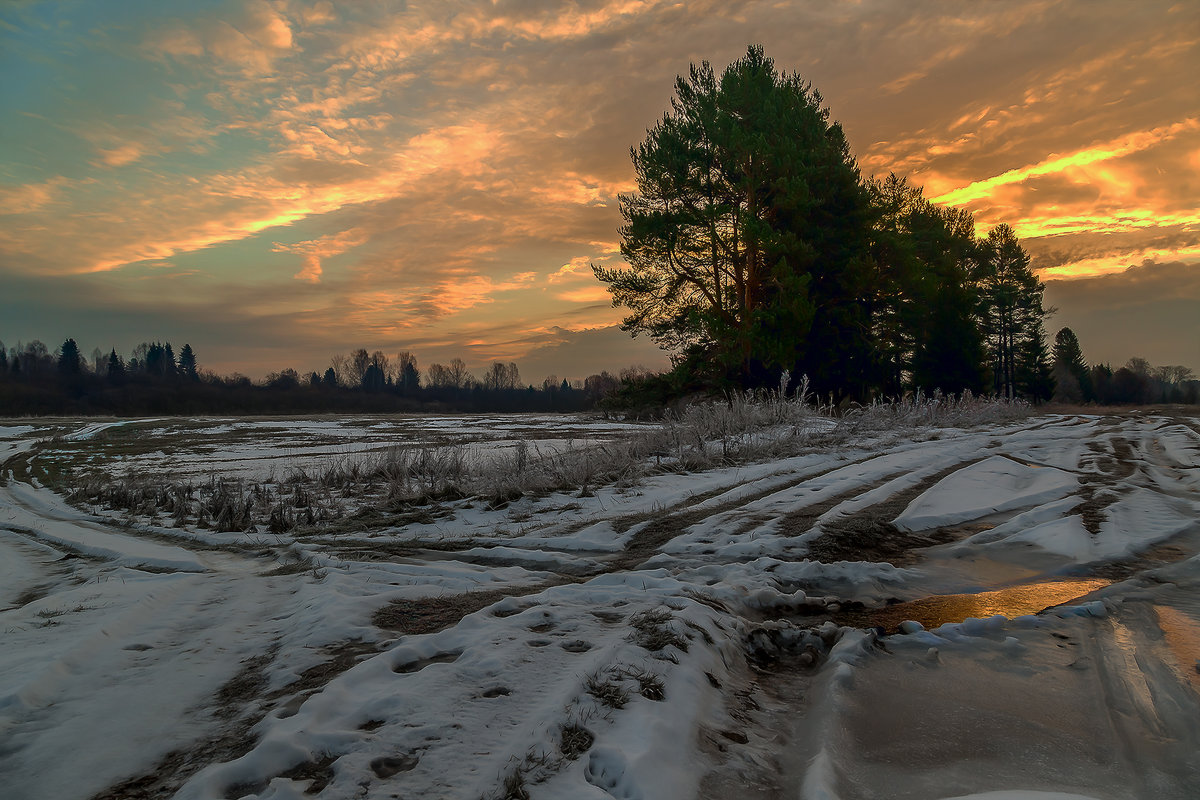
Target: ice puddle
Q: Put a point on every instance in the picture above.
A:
(1012, 601)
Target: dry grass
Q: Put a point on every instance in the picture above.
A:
(607, 689)
(652, 629)
(406, 485)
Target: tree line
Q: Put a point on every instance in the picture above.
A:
(156, 380)
(755, 246)
(1138, 382)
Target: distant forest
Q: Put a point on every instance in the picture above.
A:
(155, 380)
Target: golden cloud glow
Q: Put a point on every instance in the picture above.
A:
(591, 294)
(1112, 264)
(1123, 146)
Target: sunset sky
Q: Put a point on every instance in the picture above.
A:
(277, 181)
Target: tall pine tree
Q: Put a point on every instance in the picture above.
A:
(1011, 313)
(746, 239)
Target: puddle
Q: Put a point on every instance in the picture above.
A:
(1013, 601)
(1182, 635)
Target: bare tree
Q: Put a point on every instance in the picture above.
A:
(459, 376)
(438, 376)
(342, 370)
(359, 361)
(502, 376)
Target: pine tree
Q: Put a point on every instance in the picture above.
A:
(1069, 355)
(746, 239)
(1010, 308)
(373, 378)
(1034, 376)
(69, 360)
(170, 369)
(116, 368)
(187, 363)
(923, 309)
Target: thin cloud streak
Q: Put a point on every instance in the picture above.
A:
(1080, 158)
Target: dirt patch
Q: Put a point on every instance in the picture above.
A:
(867, 537)
(29, 595)
(387, 766)
(342, 657)
(1155, 557)
(433, 614)
(244, 687)
(319, 773)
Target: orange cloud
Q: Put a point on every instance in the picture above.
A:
(1123, 146)
(1110, 264)
(314, 250)
(591, 294)
(29, 197)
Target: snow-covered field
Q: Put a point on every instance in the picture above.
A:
(1001, 612)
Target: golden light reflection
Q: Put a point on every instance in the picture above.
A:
(1014, 601)
(1182, 635)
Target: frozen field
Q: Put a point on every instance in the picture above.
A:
(1008, 612)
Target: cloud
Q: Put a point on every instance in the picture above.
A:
(1148, 310)
(29, 197)
(250, 39)
(314, 250)
(1123, 146)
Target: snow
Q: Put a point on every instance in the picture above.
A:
(44, 516)
(987, 487)
(258, 657)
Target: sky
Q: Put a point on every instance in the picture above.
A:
(278, 181)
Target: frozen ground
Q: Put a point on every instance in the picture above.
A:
(999, 613)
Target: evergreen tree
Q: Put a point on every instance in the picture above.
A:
(746, 240)
(410, 377)
(3, 359)
(923, 308)
(373, 378)
(1010, 309)
(187, 363)
(69, 360)
(155, 362)
(1033, 372)
(1068, 360)
(170, 369)
(116, 368)
(330, 378)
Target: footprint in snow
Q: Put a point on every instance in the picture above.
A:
(388, 766)
(606, 770)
